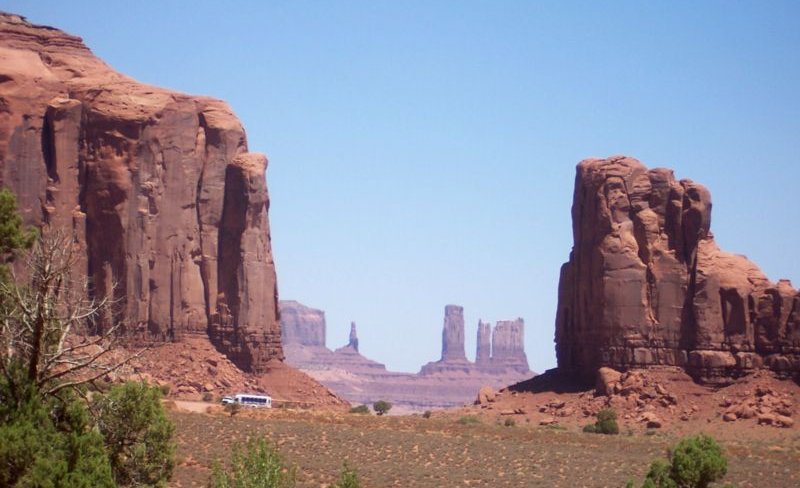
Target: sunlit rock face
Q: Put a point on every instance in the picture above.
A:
(647, 285)
(166, 205)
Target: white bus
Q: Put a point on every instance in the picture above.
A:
(249, 400)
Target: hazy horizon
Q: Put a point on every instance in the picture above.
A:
(423, 153)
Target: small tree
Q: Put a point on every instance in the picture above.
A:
(137, 433)
(695, 462)
(381, 407)
(45, 324)
(48, 442)
(14, 236)
(259, 465)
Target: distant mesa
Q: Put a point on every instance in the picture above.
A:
(304, 330)
(301, 325)
(498, 351)
(646, 284)
(451, 381)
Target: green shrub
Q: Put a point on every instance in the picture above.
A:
(137, 434)
(348, 478)
(509, 422)
(49, 442)
(258, 465)
(361, 409)
(427, 414)
(606, 423)
(695, 462)
(382, 407)
(165, 388)
(469, 420)
(208, 397)
(698, 461)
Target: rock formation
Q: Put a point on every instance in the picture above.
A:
(647, 285)
(304, 341)
(301, 324)
(353, 342)
(508, 345)
(498, 351)
(483, 353)
(453, 334)
(157, 188)
(451, 381)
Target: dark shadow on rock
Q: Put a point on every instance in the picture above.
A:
(553, 380)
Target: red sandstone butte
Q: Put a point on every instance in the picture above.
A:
(647, 285)
(157, 187)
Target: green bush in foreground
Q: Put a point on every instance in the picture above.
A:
(49, 442)
(348, 478)
(606, 423)
(258, 465)
(137, 433)
(695, 462)
(361, 409)
(382, 407)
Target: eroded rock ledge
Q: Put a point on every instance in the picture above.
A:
(158, 188)
(647, 285)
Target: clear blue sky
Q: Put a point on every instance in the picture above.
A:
(423, 152)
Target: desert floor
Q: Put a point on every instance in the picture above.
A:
(461, 449)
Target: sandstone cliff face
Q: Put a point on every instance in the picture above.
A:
(647, 285)
(157, 188)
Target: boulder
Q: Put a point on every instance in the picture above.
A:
(485, 395)
(607, 380)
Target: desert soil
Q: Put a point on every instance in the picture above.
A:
(446, 451)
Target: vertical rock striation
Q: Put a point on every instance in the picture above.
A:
(508, 345)
(483, 353)
(453, 334)
(157, 188)
(646, 284)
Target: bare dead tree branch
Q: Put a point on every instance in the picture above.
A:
(47, 320)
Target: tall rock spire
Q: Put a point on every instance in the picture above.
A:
(453, 334)
(353, 336)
